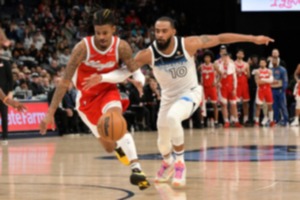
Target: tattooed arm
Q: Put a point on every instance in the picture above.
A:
(193, 43)
(78, 55)
(126, 55)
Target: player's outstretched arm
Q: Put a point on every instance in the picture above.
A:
(193, 43)
(78, 55)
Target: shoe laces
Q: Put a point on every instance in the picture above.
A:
(179, 168)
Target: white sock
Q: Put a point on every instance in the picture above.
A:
(271, 115)
(135, 165)
(169, 159)
(297, 119)
(179, 155)
(256, 119)
(128, 146)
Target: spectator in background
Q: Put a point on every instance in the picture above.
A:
(279, 86)
(151, 100)
(253, 65)
(64, 57)
(22, 91)
(276, 55)
(39, 39)
(36, 86)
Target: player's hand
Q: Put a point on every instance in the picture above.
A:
(91, 81)
(138, 85)
(19, 106)
(261, 39)
(48, 119)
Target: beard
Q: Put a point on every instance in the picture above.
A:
(163, 45)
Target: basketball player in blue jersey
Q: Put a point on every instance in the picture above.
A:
(172, 60)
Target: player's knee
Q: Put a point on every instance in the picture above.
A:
(164, 146)
(178, 140)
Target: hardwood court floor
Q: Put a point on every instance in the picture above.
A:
(235, 164)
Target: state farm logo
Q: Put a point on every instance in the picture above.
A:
(16, 118)
(98, 65)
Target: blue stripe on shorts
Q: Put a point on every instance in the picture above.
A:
(186, 99)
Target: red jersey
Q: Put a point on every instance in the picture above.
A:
(241, 73)
(264, 73)
(208, 75)
(99, 62)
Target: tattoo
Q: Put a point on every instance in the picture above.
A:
(125, 53)
(205, 39)
(78, 55)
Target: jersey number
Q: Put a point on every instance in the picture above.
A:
(178, 72)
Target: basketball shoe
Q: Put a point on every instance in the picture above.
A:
(179, 175)
(295, 122)
(121, 156)
(165, 172)
(138, 178)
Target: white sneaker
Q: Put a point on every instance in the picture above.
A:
(179, 177)
(165, 172)
(295, 123)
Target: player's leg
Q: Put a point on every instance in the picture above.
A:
(233, 109)
(258, 102)
(246, 100)
(164, 145)
(179, 111)
(126, 150)
(214, 99)
(269, 103)
(224, 106)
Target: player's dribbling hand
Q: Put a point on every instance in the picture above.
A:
(48, 119)
(261, 39)
(91, 81)
(19, 106)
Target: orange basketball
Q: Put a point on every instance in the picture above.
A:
(112, 126)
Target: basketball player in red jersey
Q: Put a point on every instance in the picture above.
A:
(92, 58)
(208, 73)
(227, 82)
(264, 78)
(242, 90)
(295, 122)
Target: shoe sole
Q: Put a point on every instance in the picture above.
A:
(178, 185)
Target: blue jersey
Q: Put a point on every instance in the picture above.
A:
(280, 73)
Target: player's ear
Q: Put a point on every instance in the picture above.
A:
(174, 31)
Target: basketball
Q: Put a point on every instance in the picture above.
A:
(112, 126)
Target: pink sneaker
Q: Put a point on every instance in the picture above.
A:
(165, 172)
(179, 175)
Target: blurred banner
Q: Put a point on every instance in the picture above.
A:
(270, 5)
(28, 121)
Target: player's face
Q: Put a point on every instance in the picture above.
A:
(103, 35)
(262, 63)
(163, 34)
(207, 59)
(240, 55)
